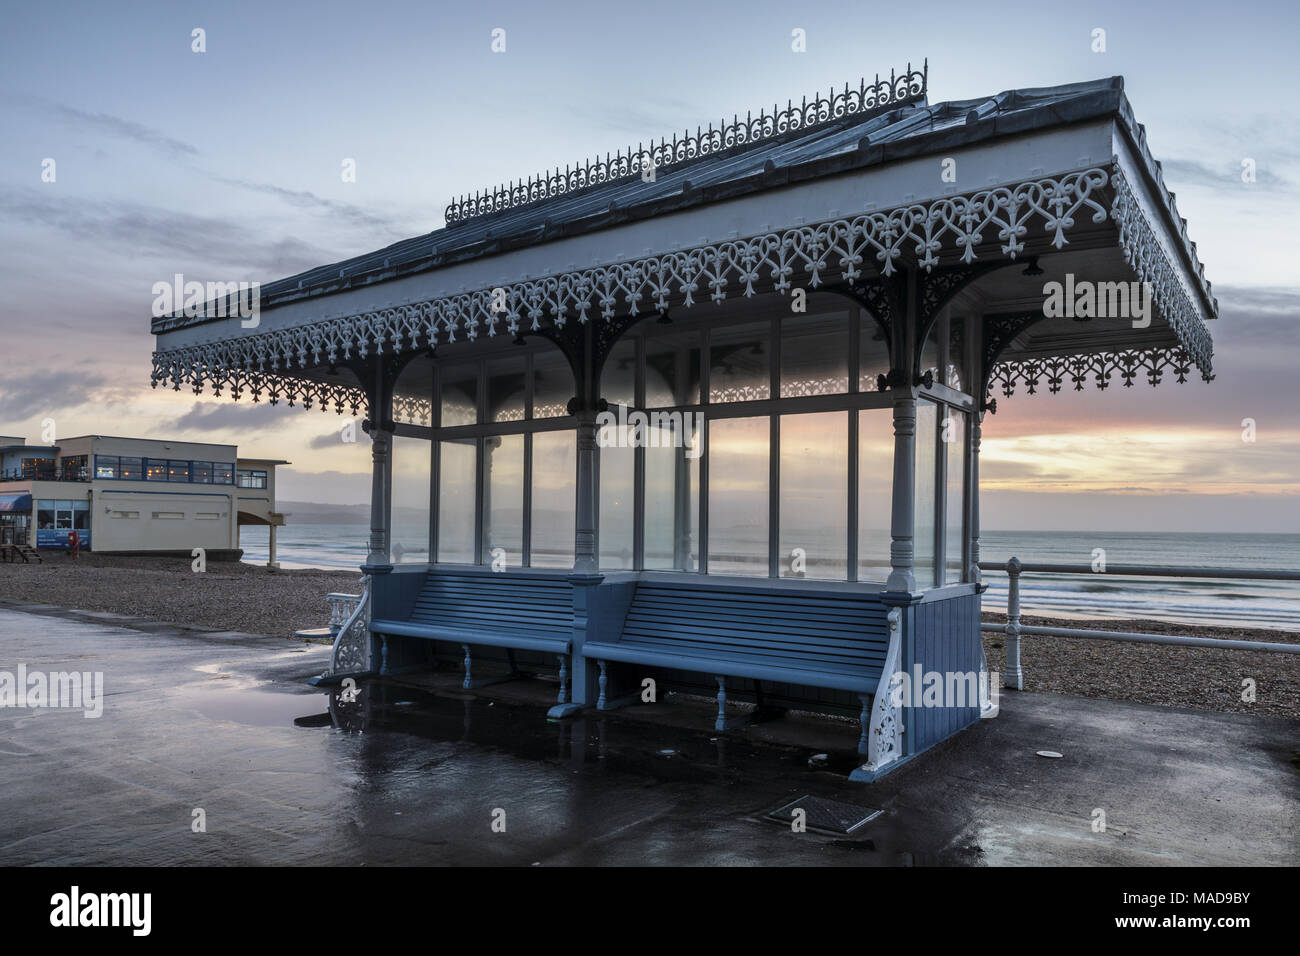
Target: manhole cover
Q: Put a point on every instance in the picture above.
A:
(827, 816)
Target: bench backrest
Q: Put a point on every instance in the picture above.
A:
(499, 602)
(838, 629)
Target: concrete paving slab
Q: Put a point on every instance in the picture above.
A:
(415, 772)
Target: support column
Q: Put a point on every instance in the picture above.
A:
(584, 546)
(381, 485)
(974, 339)
(973, 517)
(270, 560)
(903, 516)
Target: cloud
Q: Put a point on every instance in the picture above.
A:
(1192, 172)
(44, 391)
(110, 124)
(149, 230)
(346, 213)
(331, 440)
(212, 417)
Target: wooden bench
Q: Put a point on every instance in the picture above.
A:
(815, 637)
(514, 610)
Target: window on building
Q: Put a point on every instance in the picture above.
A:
(953, 434)
(409, 538)
(552, 517)
(457, 489)
(75, 468)
(107, 466)
(178, 471)
(815, 354)
(250, 478)
(814, 513)
(222, 473)
(201, 472)
(130, 468)
(45, 509)
(756, 444)
(154, 470)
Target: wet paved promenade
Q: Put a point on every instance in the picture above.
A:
(412, 772)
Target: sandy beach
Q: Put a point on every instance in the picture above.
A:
(243, 597)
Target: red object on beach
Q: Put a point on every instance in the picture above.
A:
(74, 543)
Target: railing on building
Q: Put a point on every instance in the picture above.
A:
(342, 607)
(1013, 675)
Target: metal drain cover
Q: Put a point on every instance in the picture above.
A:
(826, 816)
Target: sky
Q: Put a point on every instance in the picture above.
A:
(226, 164)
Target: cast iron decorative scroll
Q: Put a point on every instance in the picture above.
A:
(1100, 367)
(876, 96)
(1144, 252)
(885, 723)
(351, 654)
(836, 251)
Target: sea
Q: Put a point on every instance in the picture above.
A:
(1097, 597)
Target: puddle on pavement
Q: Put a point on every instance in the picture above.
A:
(592, 742)
(257, 708)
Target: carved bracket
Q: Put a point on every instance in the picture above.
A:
(351, 654)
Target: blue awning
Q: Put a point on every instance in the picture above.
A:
(21, 503)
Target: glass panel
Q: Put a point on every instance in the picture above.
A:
(618, 377)
(873, 355)
(63, 519)
(106, 466)
(740, 363)
(457, 484)
(552, 384)
(815, 355)
(202, 472)
(81, 519)
(814, 496)
(954, 437)
(178, 471)
(222, 474)
(930, 354)
(505, 389)
(413, 392)
(503, 505)
(923, 500)
(555, 462)
(155, 470)
(738, 495)
(412, 467)
(672, 480)
(45, 516)
(672, 374)
(617, 463)
(954, 369)
(875, 492)
(459, 395)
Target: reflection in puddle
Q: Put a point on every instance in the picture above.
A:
(257, 708)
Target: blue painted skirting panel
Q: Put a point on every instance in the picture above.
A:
(945, 638)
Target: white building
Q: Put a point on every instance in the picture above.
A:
(134, 495)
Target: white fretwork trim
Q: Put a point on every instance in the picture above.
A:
(1170, 296)
(839, 249)
(1098, 368)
